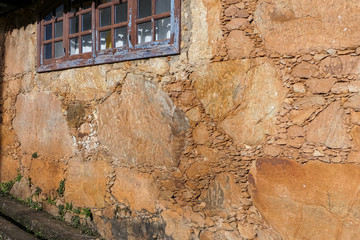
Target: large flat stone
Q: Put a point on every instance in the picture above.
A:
(297, 200)
(142, 125)
(328, 128)
(20, 53)
(220, 86)
(46, 174)
(285, 25)
(260, 101)
(41, 126)
(85, 184)
(137, 190)
(9, 168)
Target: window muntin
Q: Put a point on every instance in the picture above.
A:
(80, 33)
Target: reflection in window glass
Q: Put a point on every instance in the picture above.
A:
(162, 6)
(144, 8)
(144, 32)
(86, 22)
(162, 29)
(121, 37)
(48, 32)
(104, 1)
(58, 29)
(74, 46)
(74, 25)
(105, 40)
(105, 17)
(75, 5)
(86, 4)
(59, 11)
(121, 13)
(86, 43)
(48, 51)
(48, 17)
(59, 49)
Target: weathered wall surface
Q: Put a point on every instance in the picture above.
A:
(252, 132)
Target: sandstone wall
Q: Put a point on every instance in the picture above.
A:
(252, 132)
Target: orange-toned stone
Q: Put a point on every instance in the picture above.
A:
(355, 135)
(304, 70)
(221, 194)
(239, 45)
(138, 190)
(297, 200)
(176, 225)
(41, 126)
(284, 25)
(85, 184)
(328, 128)
(199, 169)
(9, 168)
(142, 125)
(46, 174)
(320, 85)
(262, 99)
(201, 134)
(7, 136)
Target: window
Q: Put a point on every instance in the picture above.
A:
(82, 33)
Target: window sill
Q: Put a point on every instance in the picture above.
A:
(120, 55)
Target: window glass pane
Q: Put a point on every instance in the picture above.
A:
(105, 17)
(48, 17)
(104, 1)
(86, 4)
(144, 32)
(48, 32)
(162, 6)
(59, 11)
(162, 28)
(59, 49)
(75, 5)
(121, 13)
(86, 43)
(58, 29)
(105, 40)
(144, 8)
(74, 25)
(48, 51)
(121, 37)
(86, 22)
(74, 46)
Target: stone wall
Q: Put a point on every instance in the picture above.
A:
(252, 132)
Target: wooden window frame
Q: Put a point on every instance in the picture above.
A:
(131, 51)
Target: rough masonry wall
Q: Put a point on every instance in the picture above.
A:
(162, 148)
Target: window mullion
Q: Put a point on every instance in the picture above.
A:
(66, 32)
(94, 16)
(96, 34)
(132, 29)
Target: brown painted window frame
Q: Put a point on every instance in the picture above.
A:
(131, 52)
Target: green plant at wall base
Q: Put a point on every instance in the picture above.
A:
(35, 155)
(33, 204)
(18, 178)
(51, 201)
(5, 187)
(77, 210)
(75, 221)
(61, 211)
(68, 206)
(61, 188)
(37, 191)
(87, 213)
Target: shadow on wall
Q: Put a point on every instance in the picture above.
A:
(9, 56)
